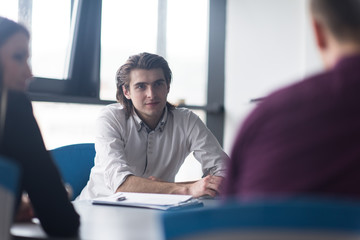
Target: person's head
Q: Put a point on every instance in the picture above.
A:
(14, 54)
(337, 28)
(143, 83)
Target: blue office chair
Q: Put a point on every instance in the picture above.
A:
(75, 163)
(9, 180)
(298, 219)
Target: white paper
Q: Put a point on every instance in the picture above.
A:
(148, 200)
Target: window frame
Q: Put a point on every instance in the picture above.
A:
(83, 86)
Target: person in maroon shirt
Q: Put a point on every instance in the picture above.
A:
(305, 139)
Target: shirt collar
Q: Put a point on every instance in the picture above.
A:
(140, 124)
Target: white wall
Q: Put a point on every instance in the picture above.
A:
(269, 44)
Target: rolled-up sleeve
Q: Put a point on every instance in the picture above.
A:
(110, 150)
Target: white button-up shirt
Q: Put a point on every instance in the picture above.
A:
(126, 146)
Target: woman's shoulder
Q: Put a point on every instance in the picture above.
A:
(18, 103)
(17, 97)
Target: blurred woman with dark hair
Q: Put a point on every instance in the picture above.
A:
(21, 140)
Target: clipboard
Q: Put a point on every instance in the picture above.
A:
(150, 200)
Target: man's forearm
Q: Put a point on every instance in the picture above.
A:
(139, 184)
(209, 185)
(189, 182)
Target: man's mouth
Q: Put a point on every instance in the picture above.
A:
(151, 103)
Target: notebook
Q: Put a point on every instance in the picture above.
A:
(149, 200)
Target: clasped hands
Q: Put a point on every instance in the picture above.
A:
(207, 186)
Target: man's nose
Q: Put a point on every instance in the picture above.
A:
(150, 92)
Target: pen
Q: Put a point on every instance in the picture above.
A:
(121, 199)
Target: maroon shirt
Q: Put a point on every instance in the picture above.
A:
(303, 139)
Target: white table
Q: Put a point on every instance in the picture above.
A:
(106, 222)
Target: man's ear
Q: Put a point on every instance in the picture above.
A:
(126, 92)
(320, 34)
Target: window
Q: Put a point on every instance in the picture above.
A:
(187, 47)
(127, 28)
(84, 42)
(66, 123)
(176, 29)
(9, 9)
(66, 39)
(49, 26)
(49, 51)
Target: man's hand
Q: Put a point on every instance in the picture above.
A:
(209, 185)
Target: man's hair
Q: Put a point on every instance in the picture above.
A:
(342, 17)
(144, 61)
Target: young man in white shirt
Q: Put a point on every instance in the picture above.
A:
(143, 140)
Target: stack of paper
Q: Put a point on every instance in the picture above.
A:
(149, 200)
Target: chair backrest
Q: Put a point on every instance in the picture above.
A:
(291, 219)
(9, 180)
(75, 162)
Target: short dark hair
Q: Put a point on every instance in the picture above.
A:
(145, 61)
(342, 17)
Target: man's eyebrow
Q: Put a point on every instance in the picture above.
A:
(160, 80)
(138, 83)
(146, 83)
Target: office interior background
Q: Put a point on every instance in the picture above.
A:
(224, 54)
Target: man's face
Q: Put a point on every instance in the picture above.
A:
(148, 92)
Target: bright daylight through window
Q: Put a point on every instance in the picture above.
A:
(175, 29)
(50, 31)
(177, 37)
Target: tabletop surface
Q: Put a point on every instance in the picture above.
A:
(107, 222)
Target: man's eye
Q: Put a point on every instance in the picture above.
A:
(157, 84)
(140, 86)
